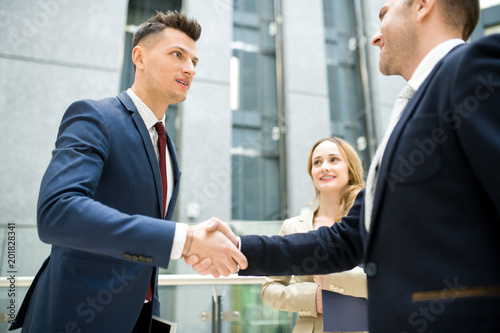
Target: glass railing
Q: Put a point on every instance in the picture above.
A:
(196, 303)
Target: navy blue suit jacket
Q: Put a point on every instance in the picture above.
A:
(433, 250)
(100, 208)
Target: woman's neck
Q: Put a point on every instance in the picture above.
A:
(327, 210)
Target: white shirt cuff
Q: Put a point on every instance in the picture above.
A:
(179, 240)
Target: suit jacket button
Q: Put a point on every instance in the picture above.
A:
(149, 260)
(371, 269)
(127, 256)
(135, 258)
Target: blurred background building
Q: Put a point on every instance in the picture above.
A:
(274, 77)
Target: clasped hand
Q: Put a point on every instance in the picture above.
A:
(214, 249)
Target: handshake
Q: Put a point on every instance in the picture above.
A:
(212, 248)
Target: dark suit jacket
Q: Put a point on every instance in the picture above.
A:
(433, 250)
(100, 208)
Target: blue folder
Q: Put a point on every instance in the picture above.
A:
(343, 313)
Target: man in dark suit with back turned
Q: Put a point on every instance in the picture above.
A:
(109, 193)
(428, 225)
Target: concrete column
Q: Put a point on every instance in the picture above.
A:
(306, 94)
(52, 52)
(205, 130)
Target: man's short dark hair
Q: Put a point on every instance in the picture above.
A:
(461, 14)
(170, 19)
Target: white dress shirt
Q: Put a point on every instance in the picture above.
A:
(150, 120)
(430, 61)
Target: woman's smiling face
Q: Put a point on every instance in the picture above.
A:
(329, 170)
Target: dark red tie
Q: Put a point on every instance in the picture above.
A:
(162, 148)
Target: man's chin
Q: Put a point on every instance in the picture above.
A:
(178, 98)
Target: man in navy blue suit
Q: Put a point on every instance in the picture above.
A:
(108, 195)
(427, 226)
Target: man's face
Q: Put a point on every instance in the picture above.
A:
(169, 61)
(396, 38)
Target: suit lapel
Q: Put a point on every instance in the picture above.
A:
(304, 223)
(383, 172)
(177, 175)
(394, 139)
(146, 140)
(173, 156)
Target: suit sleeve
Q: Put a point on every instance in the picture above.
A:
(352, 283)
(476, 107)
(280, 293)
(68, 215)
(322, 251)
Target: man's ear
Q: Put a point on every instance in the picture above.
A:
(138, 56)
(424, 8)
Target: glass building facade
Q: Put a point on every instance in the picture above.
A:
(255, 150)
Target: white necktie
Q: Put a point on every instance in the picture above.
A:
(371, 180)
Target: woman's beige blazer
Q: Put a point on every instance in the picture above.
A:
(298, 293)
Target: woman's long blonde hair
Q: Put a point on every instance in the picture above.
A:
(356, 182)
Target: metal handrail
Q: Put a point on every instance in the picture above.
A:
(164, 280)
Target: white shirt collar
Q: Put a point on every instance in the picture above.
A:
(146, 114)
(430, 61)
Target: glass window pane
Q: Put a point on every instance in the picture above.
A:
(255, 153)
(247, 37)
(249, 81)
(344, 79)
(245, 6)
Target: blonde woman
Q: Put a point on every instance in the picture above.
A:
(337, 175)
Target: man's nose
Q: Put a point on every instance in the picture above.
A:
(376, 38)
(189, 68)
